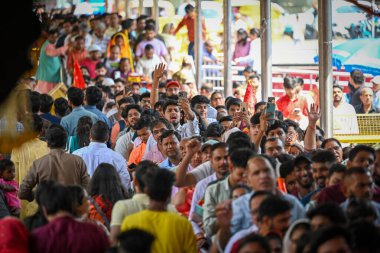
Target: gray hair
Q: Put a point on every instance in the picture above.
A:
(101, 26)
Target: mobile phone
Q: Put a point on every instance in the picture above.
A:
(244, 107)
(182, 94)
(271, 107)
(199, 210)
(117, 74)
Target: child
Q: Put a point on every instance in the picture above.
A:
(9, 186)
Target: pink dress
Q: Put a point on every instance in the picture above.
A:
(11, 197)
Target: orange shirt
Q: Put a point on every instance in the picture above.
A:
(74, 55)
(189, 22)
(286, 105)
(137, 154)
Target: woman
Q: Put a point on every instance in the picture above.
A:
(82, 137)
(242, 48)
(121, 39)
(105, 190)
(295, 231)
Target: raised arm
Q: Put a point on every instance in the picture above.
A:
(157, 74)
(314, 115)
(263, 128)
(182, 177)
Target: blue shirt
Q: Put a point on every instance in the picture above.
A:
(241, 216)
(97, 153)
(97, 112)
(69, 122)
(49, 117)
(166, 164)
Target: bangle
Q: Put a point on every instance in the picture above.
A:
(312, 127)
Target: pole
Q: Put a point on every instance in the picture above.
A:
(227, 49)
(266, 49)
(155, 13)
(373, 20)
(141, 7)
(325, 65)
(117, 6)
(126, 9)
(198, 44)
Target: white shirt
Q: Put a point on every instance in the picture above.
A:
(146, 66)
(97, 153)
(344, 119)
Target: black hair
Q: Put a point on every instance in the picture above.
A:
(5, 164)
(300, 81)
(289, 82)
(106, 182)
(255, 31)
(323, 145)
(324, 235)
(359, 148)
(244, 35)
(233, 101)
(35, 102)
(145, 95)
(127, 100)
(254, 238)
(83, 131)
(141, 17)
(218, 146)
(323, 156)
(357, 76)
(126, 24)
(38, 123)
(151, 114)
(79, 37)
(255, 119)
(142, 170)
(46, 103)
(169, 102)
(141, 123)
(337, 168)
(136, 97)
(214, 129)
(100, 65)
(277, 124)
(219, 107)
(93, 95)
(273, 206)
(61, 106)
(54, 197)
(258, 104)
(201, 123)
(168, 133)
(286, 168)
(99, 131)
(76, 193)
(365, 236)
(189, 8)
(150, 27)
(253, 76)
(240, 186)
(158, 121)
(216, 92)
(237, 135)
(52, 31)
(126, 110)
(148, 47)
(239, 157)
(331, 211)
(159, 103)
(135, 241)
(225, 118)
(358, 210)
(159, 184)
(199, 99)
(75, 96)
(56, 136)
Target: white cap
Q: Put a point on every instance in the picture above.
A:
(376, 80)
(108, 82)
(94, 48)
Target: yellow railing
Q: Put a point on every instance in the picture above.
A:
(359, 128)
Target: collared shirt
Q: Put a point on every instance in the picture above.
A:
(146, 66)
(126, 207)
(70, 122)
(158, 46)
(59, 166)
(376, 207)
(189, 129)
(215, 194)
(154, 155)
(287, 106)
(102, 43)
(342, 122)
(202, 171)
(123, 143)
(242, 219)
(166, 164)
(360, 109)
(97, 153)
(97, 112)
(111, 30)
(199, 192)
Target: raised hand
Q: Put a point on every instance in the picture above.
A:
(159, 71)
(264, 120)
(313, 114)
(192, 147)
(223, 213)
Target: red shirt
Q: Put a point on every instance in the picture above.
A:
(79, 56)
(334, 194)
(91, 65)
(286, 106)
(189, 22)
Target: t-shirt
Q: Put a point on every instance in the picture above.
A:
(172, 233)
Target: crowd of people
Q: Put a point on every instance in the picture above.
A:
(131, 165)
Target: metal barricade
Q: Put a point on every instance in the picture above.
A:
(359, 128)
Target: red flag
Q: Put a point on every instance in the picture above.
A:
(281, 184)
(78, 80)
(250, 96)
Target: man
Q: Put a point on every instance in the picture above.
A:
(304, 178)
(217, 99)
(67, 27)
(332, 239)
(159, 47)
(97, 153)
(343, 124)
(291, 100)
(114, 25)
(208, 57)
(278, 130)
(355, 84)
(274, 147)
(376, 92)
(156, 153)
(358, 185)
(69, 122)
(67, 234)
(99, 38)
(94, 58)
(233, 106)
(366, 105)
(77, 54)
(142, 128)
(170, 146)
(145, 66)
(288, 174)
(189, 21)
(336, 174)
(45, 108)
(260, 177)
(58, 166)
(200, 103)
(172, 89)
(48, 72)
(156, 220)
(112, 62)
(145, 101)
(326, 215)
(220, 191)
(92, 98)
(139, 201)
